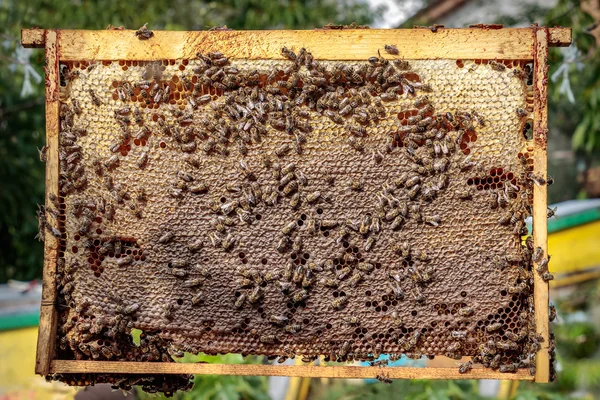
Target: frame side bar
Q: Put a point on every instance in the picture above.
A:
(46, 343)
(540, 201)
(349, 44)
(309, 371)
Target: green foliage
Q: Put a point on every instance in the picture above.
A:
(22, 118)
(583, 74)
(410, 389)
(214, 387)
(577, 339)
(21, 174)
(184, 14)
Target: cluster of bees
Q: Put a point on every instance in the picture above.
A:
(253, 105)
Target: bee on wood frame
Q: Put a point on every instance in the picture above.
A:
(391, 49)
(144, 33)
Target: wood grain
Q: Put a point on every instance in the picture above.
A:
(540, 201)
(48, 315)
(310, 371)
(354, 44)
(33, 38)
(560, 37)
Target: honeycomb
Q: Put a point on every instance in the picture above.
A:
(295, 207)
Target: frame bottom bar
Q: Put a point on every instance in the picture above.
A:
(308, 371)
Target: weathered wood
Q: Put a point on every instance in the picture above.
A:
(540, 201)
(48, 315)
(356, 44)
(349, 44)
(33, 38)
(560, 37)
(310, 371)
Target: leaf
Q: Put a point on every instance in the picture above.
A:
(579, 136)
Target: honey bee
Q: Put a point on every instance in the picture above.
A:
(111, 161)
(244, 282)
(312, 226)
(551, 212)
(384, 379)
(537, 179)
(454, 347)
(167, 311)
(465, 367)
(339, 302)
(287, 178)
(513, 337)
(289, 228)
(334, 117)
(282, 150)
(166, 237)
(289, 168)
(95, 99)
(343, 273)
(521, 112)
(297, 244)
(356, 144)
(198, 188)
(256, 295)
(497, 66)
(179, 263)
(465, 312)
(313, 197)
(299, 295)
(369, 243)
(433, 220)
(144, 33)
(552, 312)
(493, 327)
(418, 295)
(330, 282)
(508, 368)
(193, 282)
(391, 49)
(289, 54)
(293, 328)
(356, 278)
(271, 276)
(298, 275)
(228, 242)
(352, 321)
(239, 302)
(295, 200)
(329, 223)
(547, 276)
(537, 255)
(345, 111)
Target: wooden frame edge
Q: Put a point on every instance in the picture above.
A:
(560, 37)
(33, 38)
(308, 371)
(46, 342)
(540, 201)
(351, 44)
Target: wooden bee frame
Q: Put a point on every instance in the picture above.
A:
(350, 44)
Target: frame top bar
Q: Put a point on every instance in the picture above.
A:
(347, 44)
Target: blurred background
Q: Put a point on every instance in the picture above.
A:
(574, 146)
